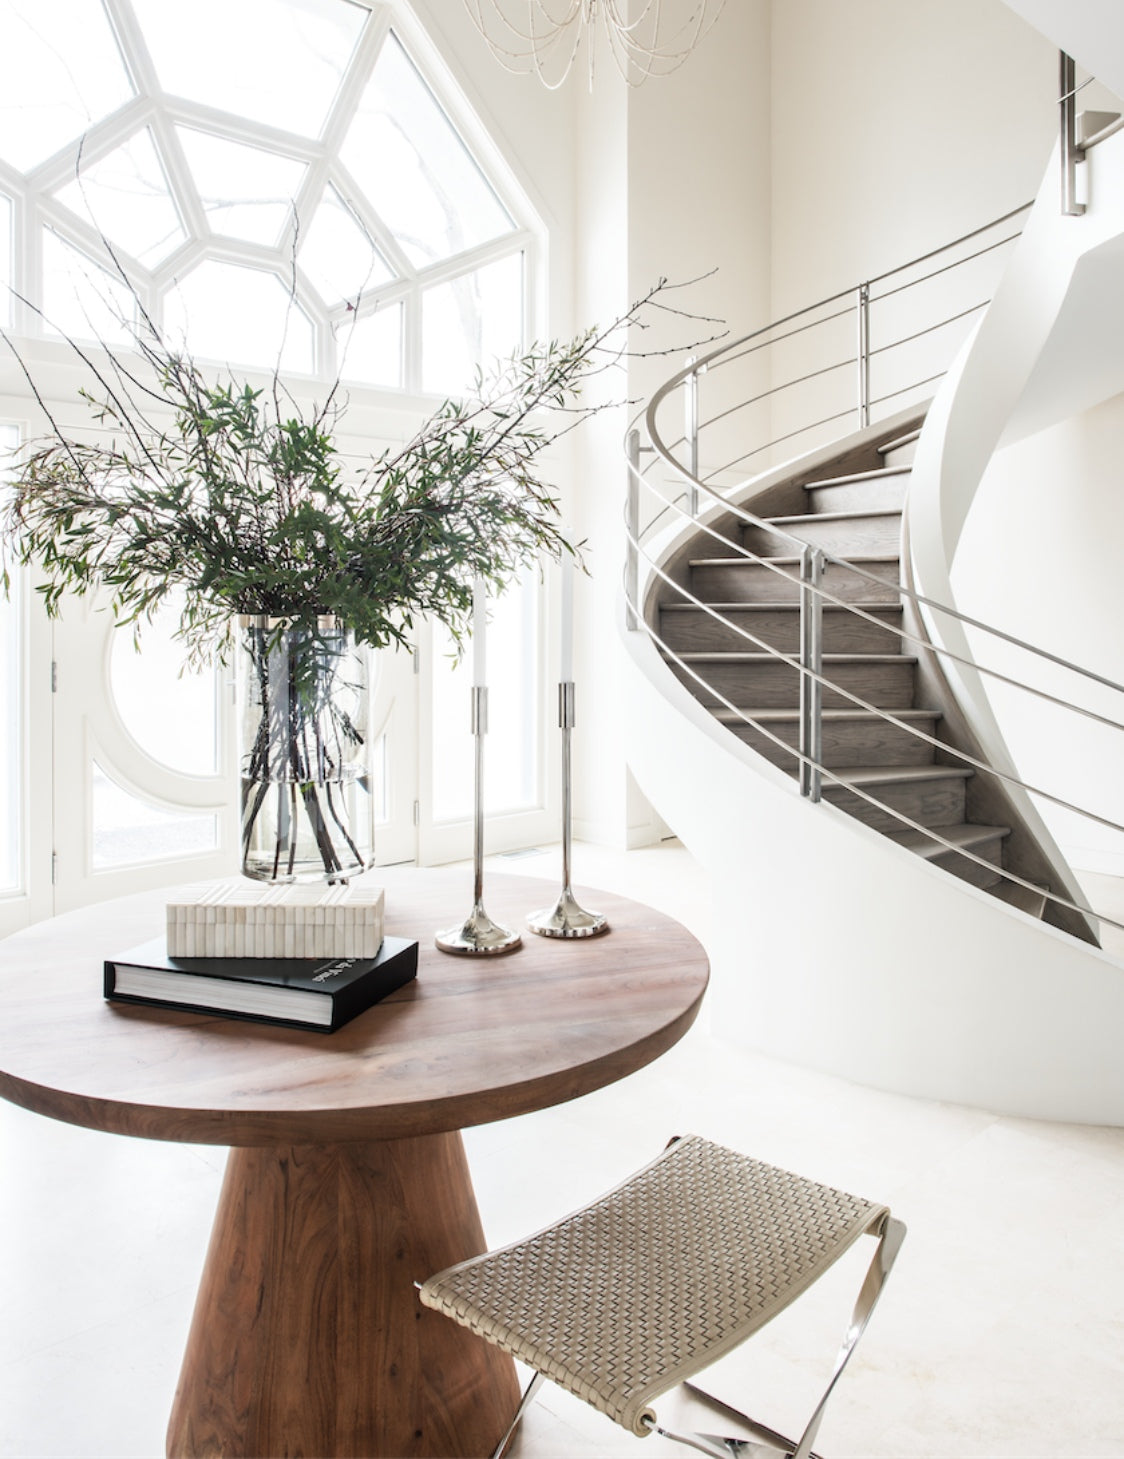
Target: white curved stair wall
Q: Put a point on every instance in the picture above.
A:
(1047, 348)
(836, 949)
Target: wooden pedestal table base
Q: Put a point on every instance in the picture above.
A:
(308, 1338)
(347, 1179)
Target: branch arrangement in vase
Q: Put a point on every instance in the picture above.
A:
(232, 503)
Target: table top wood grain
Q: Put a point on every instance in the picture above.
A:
(472, 1040)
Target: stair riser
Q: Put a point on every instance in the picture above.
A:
(843, 633)
(848, 743)
(777, 686)
(848, 538)
(926, 803)
(750, 582)
(880, 494)
(900, 455)
(971, 871)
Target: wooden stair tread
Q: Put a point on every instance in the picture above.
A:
(965, 834)
(876, 473)
(887, 775)
(739, 561)
(730, 716)
(701, 607)
(803, 518)
(906, 440)
(748, 656)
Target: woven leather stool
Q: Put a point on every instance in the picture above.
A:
(668, 1272)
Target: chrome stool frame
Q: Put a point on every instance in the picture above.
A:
(635, 1293)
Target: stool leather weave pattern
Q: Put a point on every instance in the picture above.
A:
(675, 1267)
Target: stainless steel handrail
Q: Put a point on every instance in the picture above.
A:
(694, 484)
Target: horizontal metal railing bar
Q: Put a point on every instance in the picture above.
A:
(776, 441)
(946, 268)
(855, 789)
(776, 390)
(929, 329)
(705, 362)
(905, 389)
(743, 553)
(765, 344)
(956, 242)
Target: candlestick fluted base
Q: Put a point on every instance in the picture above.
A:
(567, 919)
(478, 936)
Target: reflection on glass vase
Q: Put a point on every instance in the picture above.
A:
(307, 810)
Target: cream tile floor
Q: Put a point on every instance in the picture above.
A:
(1001, 1332)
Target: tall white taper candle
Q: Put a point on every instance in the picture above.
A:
(566, 670)
(479, 634)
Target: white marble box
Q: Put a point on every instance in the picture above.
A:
(257, 920)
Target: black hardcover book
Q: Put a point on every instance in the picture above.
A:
(318, 993)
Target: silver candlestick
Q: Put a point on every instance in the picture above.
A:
(566, 918)
(478, 935)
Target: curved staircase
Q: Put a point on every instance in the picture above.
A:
(887, 772)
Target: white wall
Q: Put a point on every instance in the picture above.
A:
(898, 125)
(1040, 558)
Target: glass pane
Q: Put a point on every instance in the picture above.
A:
(81, 299)
(128, 831)
(238, 315)
(404, 152)
(370, 347)
(246, 192)
(510, 746)
(338, 255)
(274, 61)
(62, 73)
(125, 198)
(6, 259)
(11, 718)
(170, 712)
(470, 322)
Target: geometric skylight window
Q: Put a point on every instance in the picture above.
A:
(239, 316)
(62, 72)
(280, 64)
(246, 192)
(81, 299)
(407, 157)
(369, 348)
(470, 320)
(282, 182)
(125, 198)
(337, 255)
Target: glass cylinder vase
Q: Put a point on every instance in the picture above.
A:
(307, 811)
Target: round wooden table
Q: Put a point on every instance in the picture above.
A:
(347, 1180)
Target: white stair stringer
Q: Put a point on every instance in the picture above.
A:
(834, 948)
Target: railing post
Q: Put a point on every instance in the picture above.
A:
(691, 432)
(632, 528)
(811, 664)
(1071, 153)
(862, 307)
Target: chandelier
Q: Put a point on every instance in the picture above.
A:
(545, 36)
